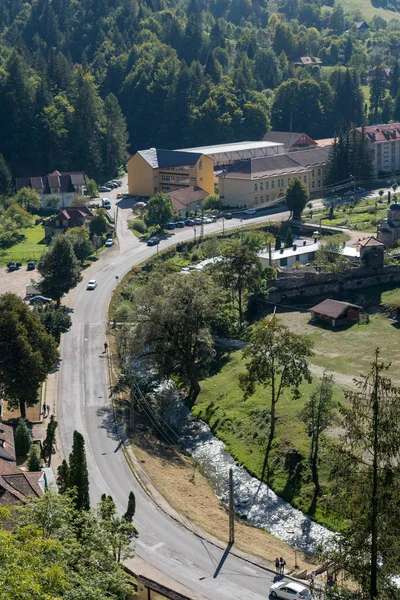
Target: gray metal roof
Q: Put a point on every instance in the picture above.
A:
(159, 158)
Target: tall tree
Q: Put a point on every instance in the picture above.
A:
(377, 91)
(6, 184)
(34, 462)
(55, 320)
(59, 269)
(28, 198)
(317, 415)
(239, 272)
(296, 198)
(395, 80)
(366, 478)
(23, 438)
(160, 210)
(25, 348)
(275, 358)
(81, 243)
(63, 477)
(116, 135)
(78, 472)
(131, 508)
(48, 448)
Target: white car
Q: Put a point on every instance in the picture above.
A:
(92, 284)
(109, 242)
(250, 211)
(290, 589)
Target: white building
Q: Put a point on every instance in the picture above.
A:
(300, 252)
(384, 141)
(228, 154)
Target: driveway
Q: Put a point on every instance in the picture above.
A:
(16, 281)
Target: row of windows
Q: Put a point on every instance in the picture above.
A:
(260, 200)
(279, 183)
(318, 185)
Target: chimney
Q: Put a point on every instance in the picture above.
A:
(294, 247)
(281, 250)
(304, 242)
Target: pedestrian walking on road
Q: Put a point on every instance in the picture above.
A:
(277, 565)
(282, 564)
(105, 347)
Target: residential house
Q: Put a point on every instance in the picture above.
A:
(262, 182)
(291, 140)
(385, 74)
(157, 170)
(300, 252)
(372, 252)
(7, 449)
(336, 313)
(360, 26)
(16, 485)
(384, 143)
(187, 200)
(63, 185)
(73, 216)
(308, 61)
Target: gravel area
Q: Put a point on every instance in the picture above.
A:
(15, 281)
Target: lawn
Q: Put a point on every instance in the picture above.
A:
(367, 9)
(243, 424)
(31, 248)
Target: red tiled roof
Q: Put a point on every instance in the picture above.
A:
(381, 133)
(371, 241)
(333, 308)
(16, 484)
(181, 198)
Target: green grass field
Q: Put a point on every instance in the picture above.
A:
(31, 248)
(367, 9)
(364, 217)
(243, 424)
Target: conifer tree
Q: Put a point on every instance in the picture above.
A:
(6, 185)
(78, 472)
(50, 440)
(22, 438)
(63, 477)
(131, 508)
(116, 136)
(34, 463)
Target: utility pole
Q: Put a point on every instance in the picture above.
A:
(231, 510)
(223, 225)
(202, 222)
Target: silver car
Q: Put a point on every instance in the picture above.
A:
(290, 590)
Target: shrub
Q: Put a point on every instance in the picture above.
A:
(34, 462)
(139, 225)
(23, 438)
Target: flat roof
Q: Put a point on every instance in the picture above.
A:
(348, 251)
(235, 146)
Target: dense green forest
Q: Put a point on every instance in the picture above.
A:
(84, 81)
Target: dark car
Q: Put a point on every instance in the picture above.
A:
(171, 225)
(12, 266)
(39, 300)
(189, 222)
(31, 265)
(228, 215)
(153, 241)
(180, 224)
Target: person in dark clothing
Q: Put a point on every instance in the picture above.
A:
(277, 565)
(282, 564)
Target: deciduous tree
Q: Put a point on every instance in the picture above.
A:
(27, 353)
(160, 210)
(275, 358)
(55, 320)
(296, 198)
(28, 198)
(59, 269)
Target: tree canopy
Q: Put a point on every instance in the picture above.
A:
(59, 269)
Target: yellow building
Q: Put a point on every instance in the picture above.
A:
(155, 170)
(262, 182)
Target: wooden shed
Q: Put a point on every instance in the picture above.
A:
(336, 312)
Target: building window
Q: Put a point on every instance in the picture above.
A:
(272, 185)
(156, 178)
(167, 178)
(313, 173)
(319, 184)
(201, 179)
(261, 186)
(313, 185)
(305, 178)
(279, 183)
(319, 172)
(192, 167)
(266, 185)
(255, 201)
(193, 179)
(266, 198)
(200, 165)
(166, 188)
(283, 262)
(255, 187)
(261, 199)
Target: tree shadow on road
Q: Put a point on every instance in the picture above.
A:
(108, 422)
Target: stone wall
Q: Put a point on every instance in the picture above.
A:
(328, 284)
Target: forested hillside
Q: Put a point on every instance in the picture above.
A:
(82, 81)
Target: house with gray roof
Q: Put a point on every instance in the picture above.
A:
(63, 185)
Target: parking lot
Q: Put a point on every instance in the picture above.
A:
(16, 281)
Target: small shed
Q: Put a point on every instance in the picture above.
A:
(336, 312)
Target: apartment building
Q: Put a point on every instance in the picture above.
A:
(157, 170)
(262, 182)
(384, 141)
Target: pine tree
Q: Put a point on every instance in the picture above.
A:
(217, 40)
(22, 438)
(377, 92)
(78, 472)
(278, 242)
(395, 82)
(116, 136)
(6, 185)
(289, 238)
(34, 463)
(50, 440)
(130, 511)
(63, 477)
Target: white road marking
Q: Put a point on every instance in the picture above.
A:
(156, 546)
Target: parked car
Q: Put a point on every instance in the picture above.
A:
(31, 290)
(198, 221)
(153, 241)
(207, 220)
(109, 242)
(119, 196)
(92, 284)
(189, 222)
(180, 224)
(103, 188)
(290, 590)
(111, 184)
(31, 265)
(228, 215)
(349, 193)
(250, 211)
(106, 203)
(12, 266)
(117, 182)
(39, 300)
(171, 225)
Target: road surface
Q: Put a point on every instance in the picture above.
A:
(83, 404)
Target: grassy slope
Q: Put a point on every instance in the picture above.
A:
(243, 425)
(367, 9)
(30, 248)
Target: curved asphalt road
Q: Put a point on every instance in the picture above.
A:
(83, 404)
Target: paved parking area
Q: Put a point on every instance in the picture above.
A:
(16, 281)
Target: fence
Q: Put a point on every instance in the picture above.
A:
(21, 256)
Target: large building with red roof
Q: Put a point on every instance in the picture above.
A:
(384, 141)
